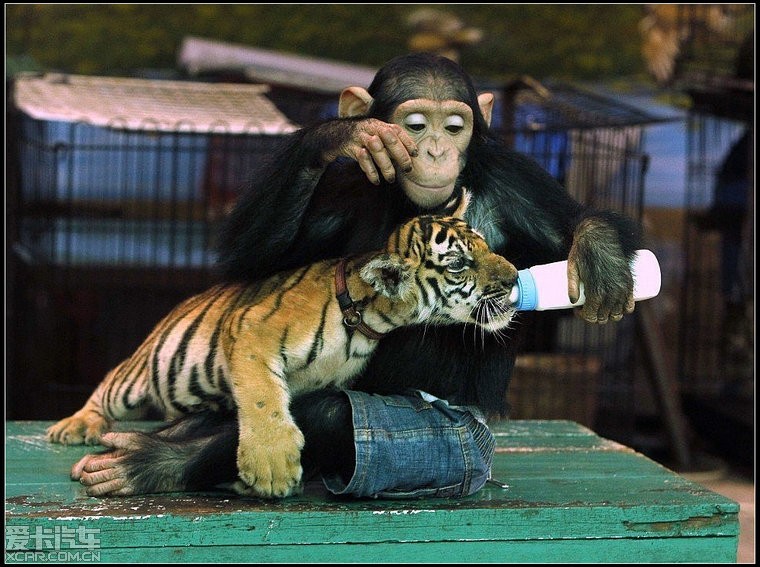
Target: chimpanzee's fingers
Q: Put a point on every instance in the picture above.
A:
(364, 159)
(379, 153)
(121, 440)
(400, 147)
(573, 281)
(112, 487)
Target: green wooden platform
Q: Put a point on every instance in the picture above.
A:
(572, 497)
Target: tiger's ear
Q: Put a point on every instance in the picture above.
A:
(464, 202)
(354, 101)
(390, 275)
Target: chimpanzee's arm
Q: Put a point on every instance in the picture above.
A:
(278, 222)
(531, 219)
(269, 213)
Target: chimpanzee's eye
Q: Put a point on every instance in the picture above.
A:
(454, 124)
(415, 122)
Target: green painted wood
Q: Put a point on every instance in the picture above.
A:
(624, 551)
(571, 496)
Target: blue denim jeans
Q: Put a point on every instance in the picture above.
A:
(415, 445)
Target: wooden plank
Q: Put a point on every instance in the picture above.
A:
(230, 521)
(691, 550)
(571, 496)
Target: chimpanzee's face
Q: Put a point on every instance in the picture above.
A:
(442, 131)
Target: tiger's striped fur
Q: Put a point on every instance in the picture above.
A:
(253, 346)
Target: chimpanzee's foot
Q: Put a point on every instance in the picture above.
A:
(108, 473)
(194, 452)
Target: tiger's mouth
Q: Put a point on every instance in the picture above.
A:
(494, 312)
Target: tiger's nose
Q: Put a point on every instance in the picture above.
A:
(507, 274)
(507, 283)
(510, 280)
(500, 273)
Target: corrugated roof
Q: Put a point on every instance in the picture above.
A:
(557, 106)
(139, 104)
(275, 67)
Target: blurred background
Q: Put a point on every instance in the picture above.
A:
(130, 129)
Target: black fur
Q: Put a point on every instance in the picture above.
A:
(195, 452)
(198, 451)
(299, 212)
(283, 220)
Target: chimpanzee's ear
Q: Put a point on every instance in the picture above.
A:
(354, 101)
(389, 274)
(485, 102)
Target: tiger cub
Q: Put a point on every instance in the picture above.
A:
(253, 346)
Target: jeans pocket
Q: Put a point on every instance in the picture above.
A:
(452, 491)
(410, 402)
(483, 445)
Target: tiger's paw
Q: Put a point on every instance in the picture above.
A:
(85, 427)
(270, 466)
(243, 489)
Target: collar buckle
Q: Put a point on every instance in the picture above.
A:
(352, 317)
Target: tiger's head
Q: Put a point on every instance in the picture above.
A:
(445, 269)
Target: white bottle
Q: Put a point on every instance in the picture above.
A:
(544, 287)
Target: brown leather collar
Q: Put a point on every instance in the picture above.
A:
(352, 317)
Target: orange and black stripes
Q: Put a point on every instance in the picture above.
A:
(290, 326)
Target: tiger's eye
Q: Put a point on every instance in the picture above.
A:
(457, 265)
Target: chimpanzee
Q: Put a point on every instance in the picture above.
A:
(408, 144)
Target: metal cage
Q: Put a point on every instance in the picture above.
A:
(716, 351)
(113, 227)
(112, 215)
(593, 145)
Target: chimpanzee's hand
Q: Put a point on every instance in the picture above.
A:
(376, 146)
(597, 260)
